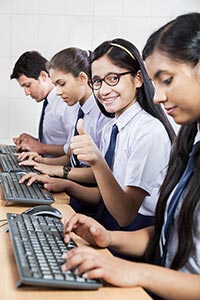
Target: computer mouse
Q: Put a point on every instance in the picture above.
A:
(44, 210)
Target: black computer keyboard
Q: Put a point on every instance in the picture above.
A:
(20, 192)
(8, 149)
(10, 163)
(38, 247)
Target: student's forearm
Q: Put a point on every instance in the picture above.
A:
(169, 284)
(132, 243)
(53, 150)
(120, 204)
(56, 161)
(89, 195)
(84, 175)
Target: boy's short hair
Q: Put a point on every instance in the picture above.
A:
(30, 64)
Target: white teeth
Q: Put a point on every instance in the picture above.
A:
(110, 100)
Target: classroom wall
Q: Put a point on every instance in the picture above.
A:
(49, 26)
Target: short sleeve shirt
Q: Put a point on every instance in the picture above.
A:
(141, 153)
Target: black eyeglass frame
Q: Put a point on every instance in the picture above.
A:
(118, 75)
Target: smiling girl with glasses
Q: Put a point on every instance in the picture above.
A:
(129, 184)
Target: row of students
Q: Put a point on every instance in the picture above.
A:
(124, 196)
(31, 72)
(173, 242)
(69, 71)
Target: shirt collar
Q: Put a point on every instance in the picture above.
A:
(51, 95)
(88, 105)
(127, 115)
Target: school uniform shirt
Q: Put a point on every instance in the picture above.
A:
(193, 263)
(94, 121)
(59, 120)
(141, 153)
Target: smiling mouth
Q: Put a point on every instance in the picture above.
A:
(108, 101)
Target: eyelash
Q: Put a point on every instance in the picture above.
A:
(167, 81)
(62, 84)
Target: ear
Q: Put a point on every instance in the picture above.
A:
(43, 75)
(83, 78)
(138, 79)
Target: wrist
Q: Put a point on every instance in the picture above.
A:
(110, 242)
(66, 170)
(42, 148)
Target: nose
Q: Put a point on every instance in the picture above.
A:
(105, 89)
(27, 91)
(159, 96)
(59, 91)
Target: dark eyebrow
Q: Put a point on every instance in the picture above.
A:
(57, 81)
(158, 73)
(25, 84)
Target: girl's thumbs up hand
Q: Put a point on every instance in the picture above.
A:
(83, 146)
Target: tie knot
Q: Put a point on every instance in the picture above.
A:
(45, 102)
(115, 129)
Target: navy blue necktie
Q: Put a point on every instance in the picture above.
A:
(73, 158)
(174, 202)
(42, 119)
(111, 148)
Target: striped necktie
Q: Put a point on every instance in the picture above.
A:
(111, 148)
(173, 204)
(40, 133)
(73, 158)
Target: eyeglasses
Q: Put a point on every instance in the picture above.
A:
(110, 79)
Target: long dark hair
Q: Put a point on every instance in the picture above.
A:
(180, 41)
(125, 55)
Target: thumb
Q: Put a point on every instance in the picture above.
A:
(80, 127)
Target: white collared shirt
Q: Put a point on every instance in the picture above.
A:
(59, 120)
(193, 263)
(141, 153)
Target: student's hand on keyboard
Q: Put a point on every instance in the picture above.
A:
(30, 178)
(43, 168)
(29, 143)
(49, 183)
(92, 264)
(21, 137)
(88, 229)
(30, 155)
